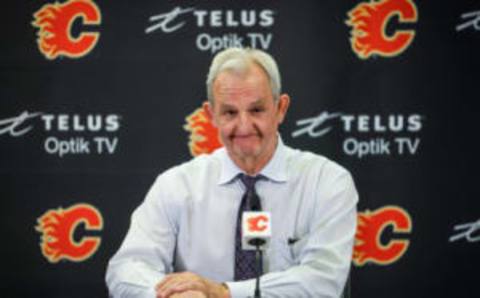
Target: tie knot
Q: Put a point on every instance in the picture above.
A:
(249, 181)
(252, 200)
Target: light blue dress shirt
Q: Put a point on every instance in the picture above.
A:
(187, 223)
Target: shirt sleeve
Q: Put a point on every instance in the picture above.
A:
(146, 254)
(323, 257)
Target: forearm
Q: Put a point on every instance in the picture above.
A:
(296, 282)
(319, 264)
(305, 281)
(125, 290)
(132, 280)
(146, 253)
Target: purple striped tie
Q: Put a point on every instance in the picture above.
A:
(245, 264)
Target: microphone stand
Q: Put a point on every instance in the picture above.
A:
(259, 266)
(259, 258)
(255, 206)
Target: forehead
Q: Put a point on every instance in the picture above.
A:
(252, 82)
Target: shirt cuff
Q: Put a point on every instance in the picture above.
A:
(241, 289)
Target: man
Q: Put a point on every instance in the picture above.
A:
(183, 239)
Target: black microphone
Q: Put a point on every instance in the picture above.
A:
(256, 234)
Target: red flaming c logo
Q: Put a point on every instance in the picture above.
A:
(203, 134)
(371, 225)
(54, 22)
(58, 227)
(369, 22)
(254, 223)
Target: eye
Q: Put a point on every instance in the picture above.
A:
(257, 110)
(229, 113)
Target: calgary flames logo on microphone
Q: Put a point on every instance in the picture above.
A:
(371, 225)
(58, 228)
(55, 21)
(369, 22)
(203, 134)
(257, 223)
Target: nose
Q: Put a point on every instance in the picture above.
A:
(244, 124)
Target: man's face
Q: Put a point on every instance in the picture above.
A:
(246, 115)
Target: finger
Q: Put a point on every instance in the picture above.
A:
(175, 289)
(189, 294)
(166, 279)
(172, 286)
(161, 287)
(187, 276)
(183, 285)
(195, 294)
(179, 282)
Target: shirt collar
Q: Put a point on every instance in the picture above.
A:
(275, 170)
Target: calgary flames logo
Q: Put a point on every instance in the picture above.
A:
(369, 22)
(54, 22)
(255, 223)
(203, 135)
(371, 225)
(58, 228)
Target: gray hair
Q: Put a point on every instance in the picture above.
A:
(238, 60)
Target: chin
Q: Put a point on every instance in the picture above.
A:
(246, 152)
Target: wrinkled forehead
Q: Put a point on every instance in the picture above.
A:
(252, 79)
(246, 73)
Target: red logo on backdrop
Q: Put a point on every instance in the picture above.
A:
(203, 134)
(369, 22)
(54, 22)
(371, 225)
(258, 223)
(58, 227)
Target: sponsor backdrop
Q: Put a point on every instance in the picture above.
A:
(99, 97)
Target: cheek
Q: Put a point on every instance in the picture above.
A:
(225, 129)
(267, 126)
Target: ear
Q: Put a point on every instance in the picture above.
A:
(282, 107)
(208, 108)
